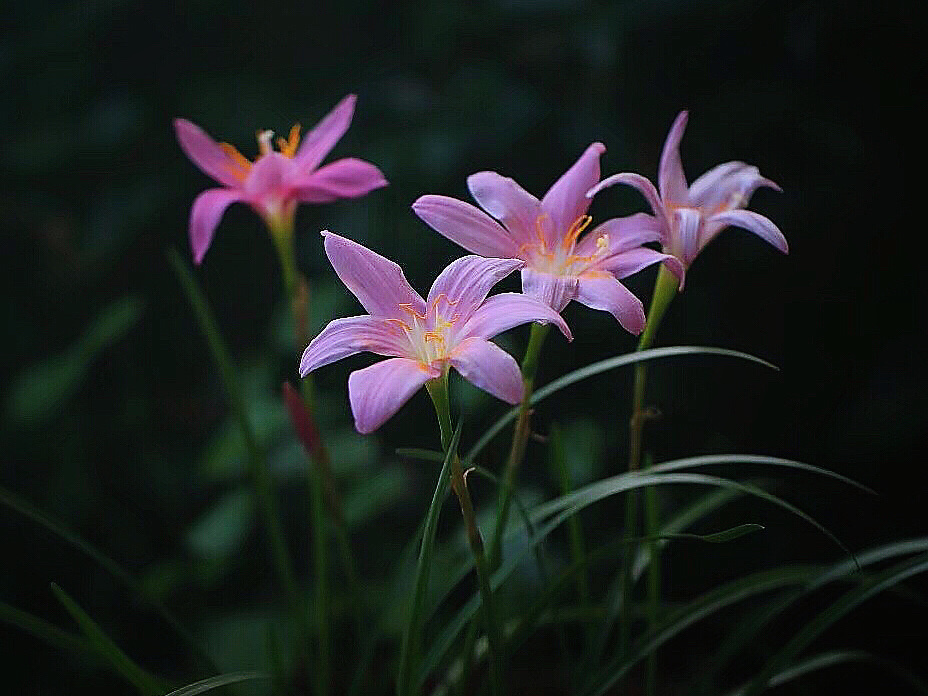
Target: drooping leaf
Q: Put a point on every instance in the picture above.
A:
(215, 682)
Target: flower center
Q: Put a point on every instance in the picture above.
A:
(560, 259)
(430, 335)
(239, 165)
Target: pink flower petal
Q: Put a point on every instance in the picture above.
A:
(687, 226)
(466, 225)
(629, 262)
(606, 293)
(622, 234)
(727, 186)
(377, 282)
(566, 200)
(671, 180)
(489, 367)
(467, 280)
(205, 152)
(753, 222)
(268, 176)
(205, 214)
(378, 391)
(344, 178)
(343, 337)
(645, 187)
(508, 202)
(322, 138)
(553, 290)
(507, 310)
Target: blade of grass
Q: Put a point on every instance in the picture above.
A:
(263, 485)
(409, 650)
(26, 509)
(604, 366)
(205, 685)
(43, 630)
(107, 649)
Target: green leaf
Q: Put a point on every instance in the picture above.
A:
(122, 663)
(418, 453)
(410, 644)
(221, 530)
(845, 604)
(26, 509)
(838, 657)
(716, 538)
(43, 630)
(41, 389)
(215, 682)
(604, 366)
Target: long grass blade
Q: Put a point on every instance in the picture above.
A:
(43, 630)
(410, 644)
(205, 685)
(107, 649)
(604, 366)
(26, 509)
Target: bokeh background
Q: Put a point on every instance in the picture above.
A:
(114, 419)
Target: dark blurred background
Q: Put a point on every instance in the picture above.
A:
(114, 418)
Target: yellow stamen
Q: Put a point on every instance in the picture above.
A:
(238, 165)
(402, 324)
(576, 229)
(288, 147)
(407, 307)
(539, 232)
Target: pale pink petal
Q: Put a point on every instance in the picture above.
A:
(466, 225)
(205, 152)
(344, 178)
(566, 200)
(343, 337)
(621, 234)
(687, 226)
(205, 214)
(603, 291)
(553, 290)
(645, 187)
(319, 142)
(507, 310)
(670, 177)
(489, 367)
(727, 186)
(378, 391)
(753, 222)
(268, 176)
(467, 280)
(377, 282)
(508, 202)
(631, 261)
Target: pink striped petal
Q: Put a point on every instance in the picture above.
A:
(344, 178)
(553, 290)
(603, 291)
(508, 202)
(753, 222)
(566, 200)
(467, 280)
(205, 152)
(645, 187)
(622, 234)
(670, 177)
(508, 310)
(727, 186)
(205, 214)
(268, 176)
(322, 138)
(343, 337)
(629, 262)
(378, 391)
(489, 367)
(687, 226)
(377, 282)
(466, 225)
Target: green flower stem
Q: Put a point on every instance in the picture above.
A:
(438, 390)
(520, 435)
(665, 289)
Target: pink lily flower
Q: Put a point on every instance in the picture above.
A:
(692, 216)
(422, 338)
(277, 180)
(560, 266)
